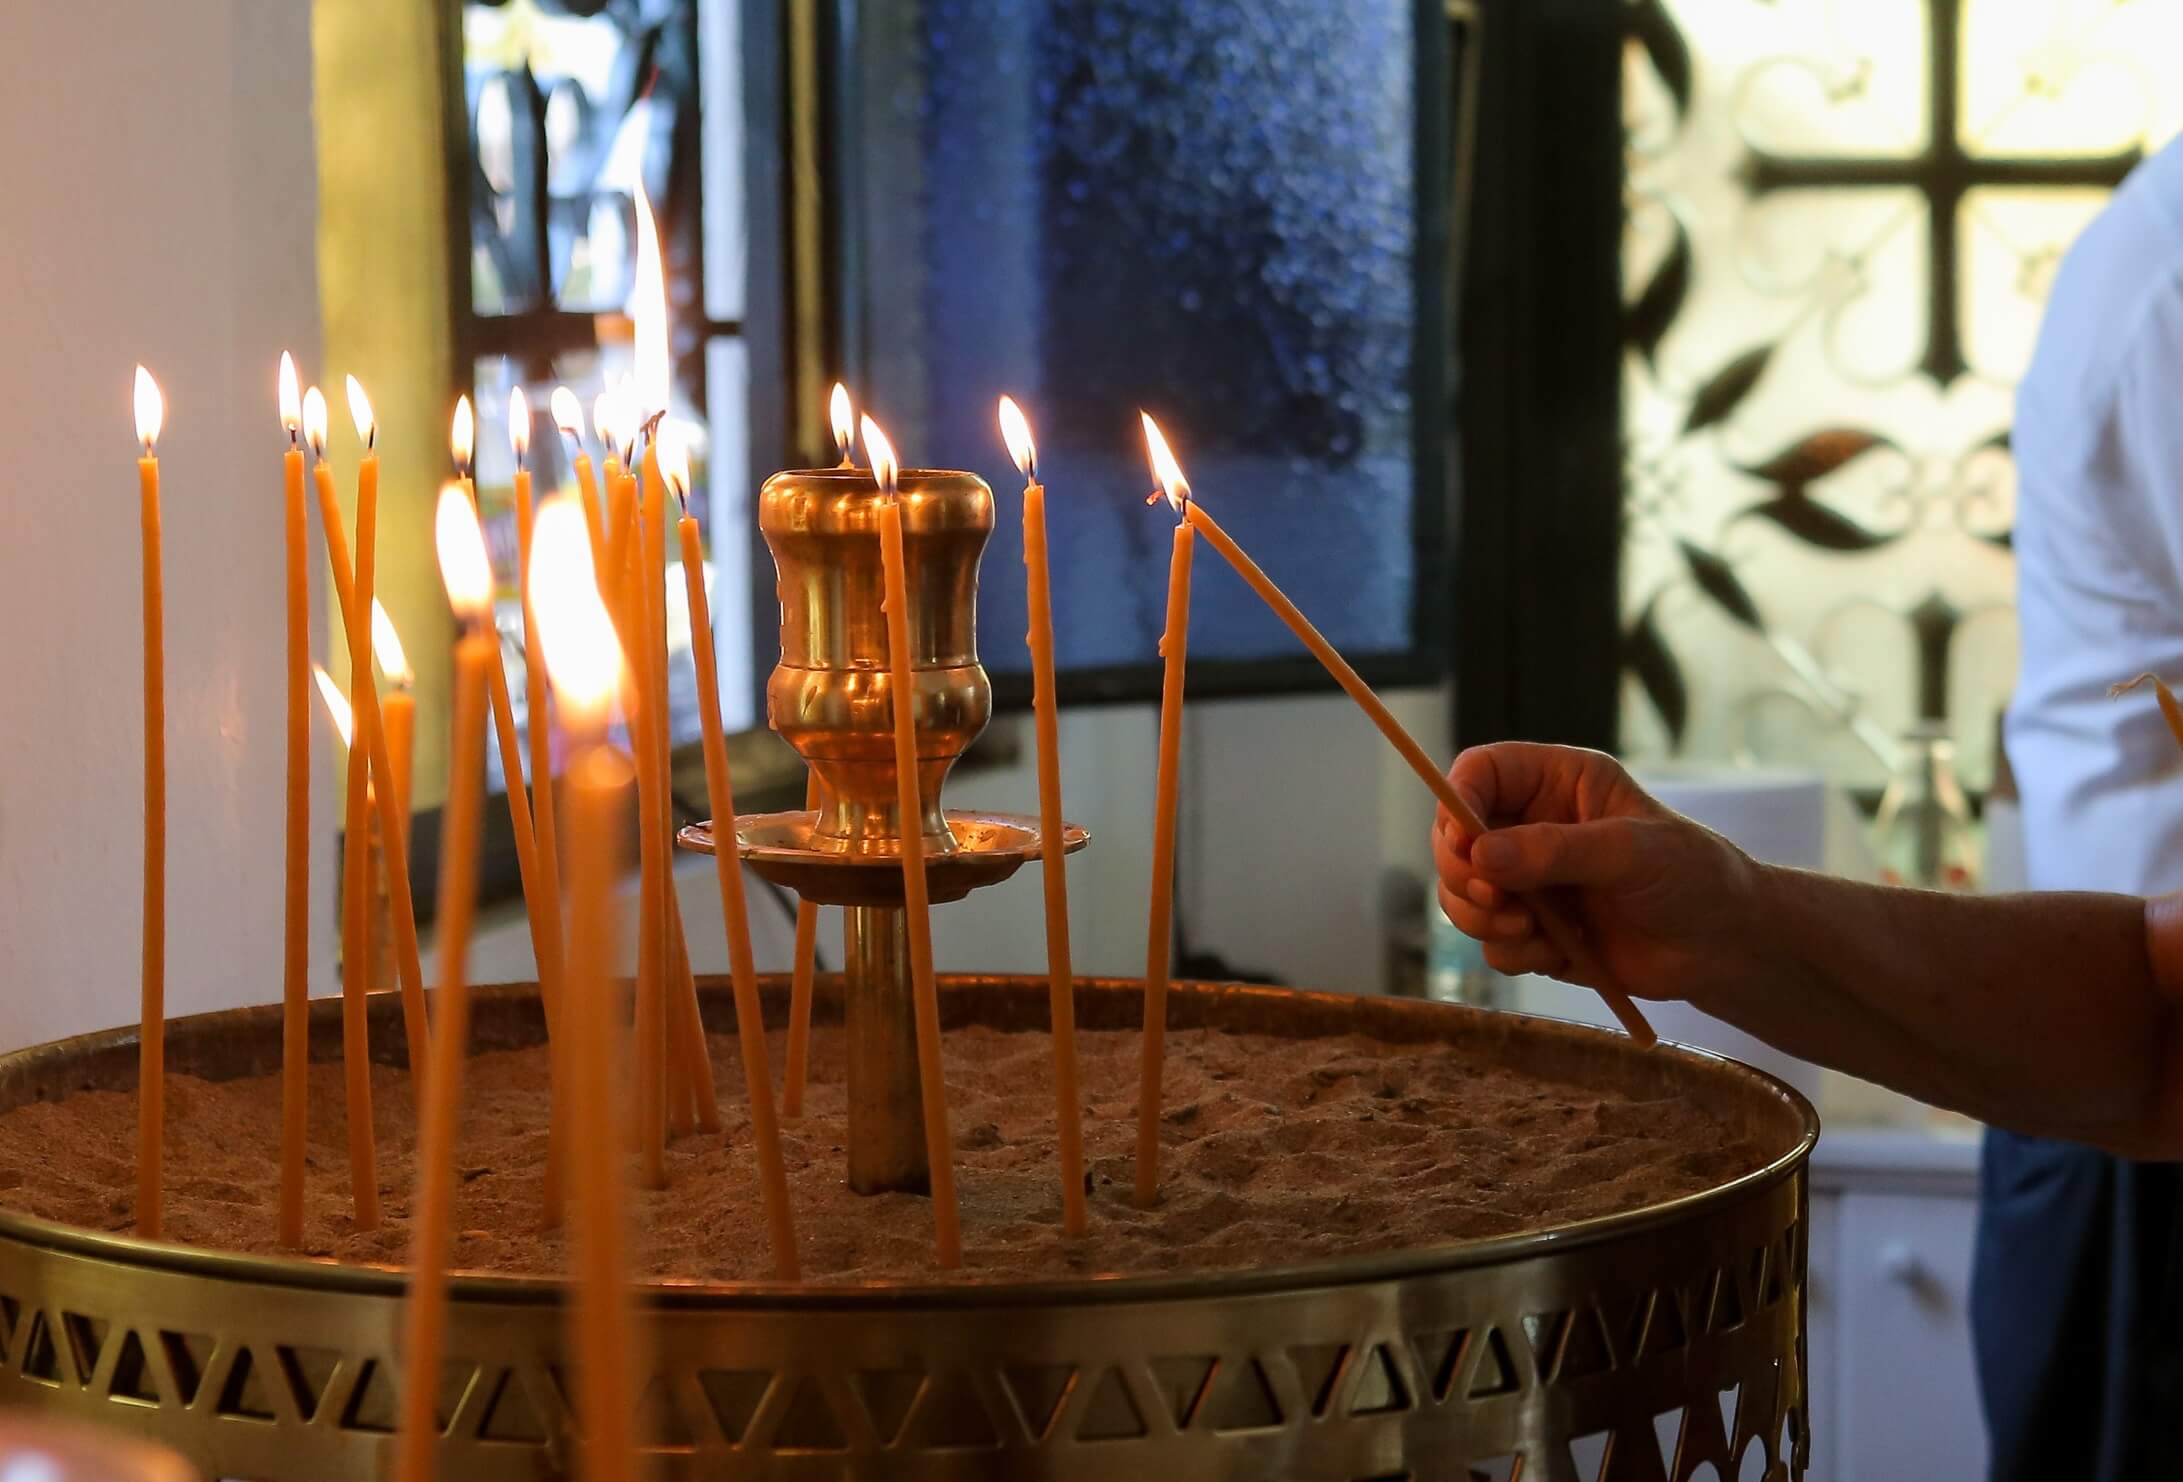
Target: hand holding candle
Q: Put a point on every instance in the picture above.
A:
(151, 1072)
(1552, 922)
(1060, 975)
(916, 908)
(469, 580)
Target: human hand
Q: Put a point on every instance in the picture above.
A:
(1663, 902)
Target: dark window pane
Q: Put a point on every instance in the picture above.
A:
(1208, 210)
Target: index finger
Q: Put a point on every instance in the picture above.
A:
(1506, 780)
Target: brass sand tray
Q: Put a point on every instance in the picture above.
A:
(1638, 1345)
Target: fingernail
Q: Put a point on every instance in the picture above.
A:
(1470, 800)
(1493, 854)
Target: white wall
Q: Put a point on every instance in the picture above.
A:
(158, 182)
(1291, 810)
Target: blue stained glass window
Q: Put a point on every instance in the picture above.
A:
(1207, 210)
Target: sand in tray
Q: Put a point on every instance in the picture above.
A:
(1277, 1151)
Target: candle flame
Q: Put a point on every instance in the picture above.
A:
(151, 410)
(602, 421)
(648, 311)
(628, 418)
(462, 435)
(674, 463)
(519, 424)
(337, 704)
(1164, 466)
(568, 413)
(1016, 432)
(367, 426)
(582, 653)
(884, 467)
(386, 648)
(314, 421)
(845, 422)
(291, 400)
(464, 567)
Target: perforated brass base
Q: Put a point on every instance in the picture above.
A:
(1637, 1347)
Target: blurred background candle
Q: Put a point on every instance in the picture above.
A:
(583, 655)
(468, 577)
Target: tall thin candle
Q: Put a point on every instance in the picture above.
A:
(151, 1069)
(370, 734)
(916, 907)
(1174, 647)
(584, 656)
(356, 1067)
(295, 998)
(1060, 974)
(804, 965)
(469, 581)
(568, 417)
(370, 725)
(1552, 922)
(750, 1024)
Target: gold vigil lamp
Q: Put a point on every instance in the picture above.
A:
(832, 698)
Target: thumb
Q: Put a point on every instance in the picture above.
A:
(1536, 856)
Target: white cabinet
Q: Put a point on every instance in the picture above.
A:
(1893, 1395)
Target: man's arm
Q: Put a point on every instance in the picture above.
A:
(2043, 1013)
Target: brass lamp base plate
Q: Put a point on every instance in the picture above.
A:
(989, 847)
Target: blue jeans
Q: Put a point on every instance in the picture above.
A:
(2077, 1312)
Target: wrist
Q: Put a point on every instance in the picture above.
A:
(1755, 911)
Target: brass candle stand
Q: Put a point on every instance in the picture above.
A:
(832, 698)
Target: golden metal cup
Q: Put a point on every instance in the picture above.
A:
(832, 695)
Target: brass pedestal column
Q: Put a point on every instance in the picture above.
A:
(886, 1116)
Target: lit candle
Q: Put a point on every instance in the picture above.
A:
(353, 597)
(916, 908)
(584, 656)
(642, 552)
(1174, 646)
(805, 962)
(750, 1024)
(397, 709)
(1553, 923)
(568, 417)
(469, 581)
(151, 1071)
(356, 872)
(1060, 976)
(295, 999)
(535, 700)
(355, 1034)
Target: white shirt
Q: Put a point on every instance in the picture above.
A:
(2099, 541)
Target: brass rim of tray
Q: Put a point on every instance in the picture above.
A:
(382, 1280)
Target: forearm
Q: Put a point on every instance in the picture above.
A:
(2042, 1013)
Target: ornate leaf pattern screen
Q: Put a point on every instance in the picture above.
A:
(1843, 217)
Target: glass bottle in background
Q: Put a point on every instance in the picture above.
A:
(1924, 835)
